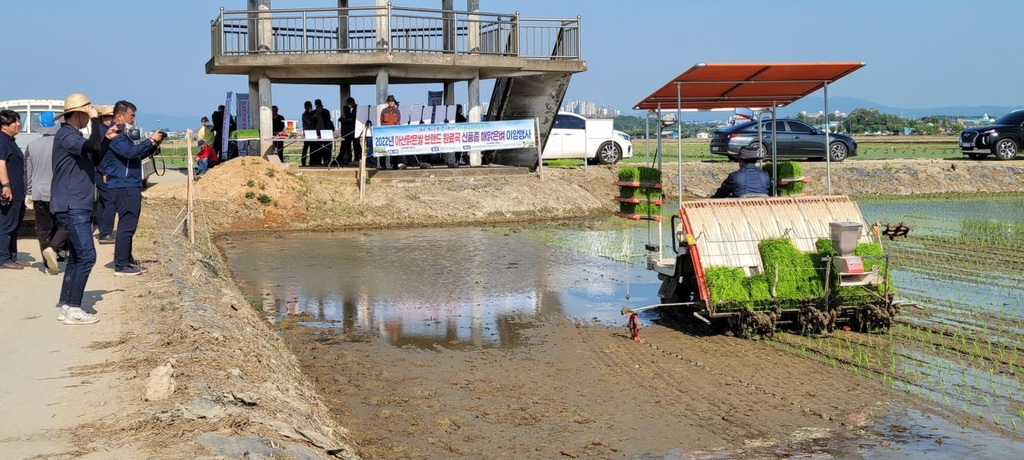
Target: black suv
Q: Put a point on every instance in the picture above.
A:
(1002, 138)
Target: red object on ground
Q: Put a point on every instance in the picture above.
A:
(634, 326)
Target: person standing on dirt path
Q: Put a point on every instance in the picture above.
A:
(39, 170)
(105, 210)
(71, 194)
(322, 123)
(748, 180)
(218, 128)
(12, 190)
(125, 182)
(205, 133)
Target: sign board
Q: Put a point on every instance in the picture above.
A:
(434, 97)
(242, 120)
(453, 137)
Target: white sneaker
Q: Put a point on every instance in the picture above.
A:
(62, 312)
(76, 315)
(50, 260)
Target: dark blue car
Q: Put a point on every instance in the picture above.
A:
(794, 139)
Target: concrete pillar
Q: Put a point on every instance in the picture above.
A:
(474, 112)
(345, 91)
(343, 29)
(383, 26)
(473, 6)
(261, 36)
(449, 93)
(266, 119)
(382, 86)
(254, 103)
(448, 29)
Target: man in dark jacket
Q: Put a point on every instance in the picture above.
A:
(278, 128)
(307, 126)
(218, 131)
(71, 199)
(748, 180)
(349, 143)
(12, 189)
(124, 179)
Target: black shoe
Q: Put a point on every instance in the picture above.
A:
(106, 239)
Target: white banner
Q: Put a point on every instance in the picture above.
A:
(453, 137)
(224, 128)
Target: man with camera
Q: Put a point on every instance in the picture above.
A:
(123, 169)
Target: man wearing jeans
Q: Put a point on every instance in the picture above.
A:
(39, 169)
(71, 195)
(124, 179)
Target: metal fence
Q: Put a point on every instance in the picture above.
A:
(390, 29)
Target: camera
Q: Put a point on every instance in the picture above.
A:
(133, 133)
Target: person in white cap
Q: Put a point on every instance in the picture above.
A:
(71, 198)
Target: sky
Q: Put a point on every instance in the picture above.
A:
(919, 53)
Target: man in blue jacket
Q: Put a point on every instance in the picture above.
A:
(71, 195)
(748, 180)
(123, 167)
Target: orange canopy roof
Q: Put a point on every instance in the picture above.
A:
(716, 86)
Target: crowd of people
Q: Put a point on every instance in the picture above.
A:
(78, 177)
(318, 150)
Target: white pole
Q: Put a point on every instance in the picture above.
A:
(828, 154)
(190, 189)
(536, 143)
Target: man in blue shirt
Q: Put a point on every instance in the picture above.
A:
(748, 180)
(71, 196)
(123, 168)
(105, 211)
(12, 189)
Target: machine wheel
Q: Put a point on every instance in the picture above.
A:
(609, 153)
(838, 151)
(977, 156)
(1005, 149)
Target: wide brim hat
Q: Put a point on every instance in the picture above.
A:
(76, 102)
(390, 98)
(105, 110)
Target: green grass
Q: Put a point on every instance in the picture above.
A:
(791, 272)
(868, 148)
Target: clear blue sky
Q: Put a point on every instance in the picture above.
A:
(919, 54)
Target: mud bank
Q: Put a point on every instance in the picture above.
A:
(240, 388)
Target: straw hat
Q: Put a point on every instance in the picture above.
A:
(105, 110)
(76, 102)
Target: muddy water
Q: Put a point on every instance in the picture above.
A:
(469, 288)
(452, 287)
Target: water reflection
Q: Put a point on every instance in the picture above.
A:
(431, 287)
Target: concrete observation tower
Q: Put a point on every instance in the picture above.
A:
(530, 59)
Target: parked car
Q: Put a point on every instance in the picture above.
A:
(1002, 138)
(796, 139)
(594, 140)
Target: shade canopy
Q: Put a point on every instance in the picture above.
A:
(728, 86)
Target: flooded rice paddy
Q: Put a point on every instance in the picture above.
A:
(958, 357)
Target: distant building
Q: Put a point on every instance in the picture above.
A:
(702, 135)
(590, 109)
(983, 120)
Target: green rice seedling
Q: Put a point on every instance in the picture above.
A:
(791, 273)
(787, 170)
(726, 284)
(629, 174)
(1014, 423)
(649, 175)
(647, 209)
(629, 192)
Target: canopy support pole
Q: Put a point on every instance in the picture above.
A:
(679, 138)
(828, 153)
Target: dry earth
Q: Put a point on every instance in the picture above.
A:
(577, 391)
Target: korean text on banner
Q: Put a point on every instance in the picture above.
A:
(453, 137)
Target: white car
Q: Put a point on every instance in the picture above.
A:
(594, 140)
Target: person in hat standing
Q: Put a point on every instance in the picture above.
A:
(71, 195)
(12, 190)
(39, 166)
(391, 116)
(124, 178)
(748, 179)
(105, 211)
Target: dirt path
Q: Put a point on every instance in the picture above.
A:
(48, 386)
